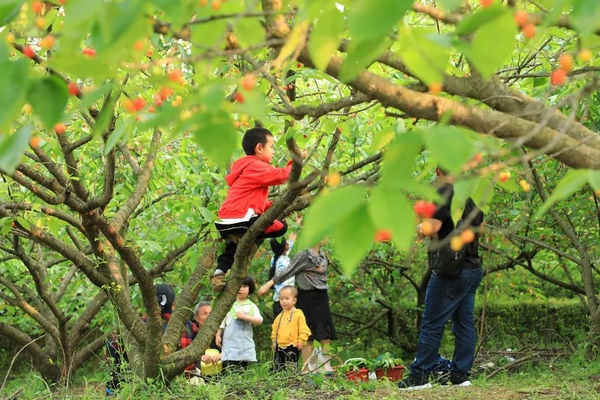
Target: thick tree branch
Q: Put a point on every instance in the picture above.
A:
(20, 302)
(141, 185)
(572, 152)
(49, 211)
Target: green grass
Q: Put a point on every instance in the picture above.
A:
(570, 378)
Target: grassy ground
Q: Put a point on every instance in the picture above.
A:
(572, 380)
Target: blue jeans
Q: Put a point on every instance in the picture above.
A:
(448, 299)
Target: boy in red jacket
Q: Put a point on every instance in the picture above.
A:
(246, 199)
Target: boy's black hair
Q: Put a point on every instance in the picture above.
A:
(254, 136)
(278, 249)
(249, 281)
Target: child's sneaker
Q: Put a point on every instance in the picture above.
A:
(415, 383)
(218, 282)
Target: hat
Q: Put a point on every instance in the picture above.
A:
(165, 296)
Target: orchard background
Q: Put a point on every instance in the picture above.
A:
(119, 119)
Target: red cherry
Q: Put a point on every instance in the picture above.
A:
(521, 17)
(73, 88)
(134, 105)
(165, 92)
(383, 235)
(418, 207)
(429, 210)
(60, 128)
(38, 7)
(249, 81)
(175, 75)
(424, 209)
(139, 103)
(28, 52)
(558, 77)
(89, 52)
(239, 98)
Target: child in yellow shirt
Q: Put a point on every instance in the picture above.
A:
(290, 331)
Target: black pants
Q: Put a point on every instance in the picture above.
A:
(286, 358)
(225, 259)
(234, 366)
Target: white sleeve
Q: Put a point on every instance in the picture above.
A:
(256, 312)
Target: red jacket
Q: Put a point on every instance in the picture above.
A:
(249, 183)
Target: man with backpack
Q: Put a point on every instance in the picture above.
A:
(450, 294)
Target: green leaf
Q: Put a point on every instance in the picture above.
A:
(82, 67)
(13, 86)
(352, 237)
(381, 139)
(399, 157)
(122, 126)
(54, 226)
(451, 5)
(586, 16)
(215, 133)
(360, 56)
(179, 240)
(480, 18)
(150, 244)
(573, 180)
(90, 98)
(48, 97)
(390, 209)
(423, 54)
(449, 146)
(249, 32)
(12, 147)
(372, 20)
(594, 179)
(105, 117)
(328, 208)
(498, 34)
(23, 222)
(483, 194)
(463, 189)
(123, 16)
(6, 223)
(209, 34)
(253, 105)
(509, 185)
(326, 35)
(369, 23)
(9, 9)
(177, 12)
